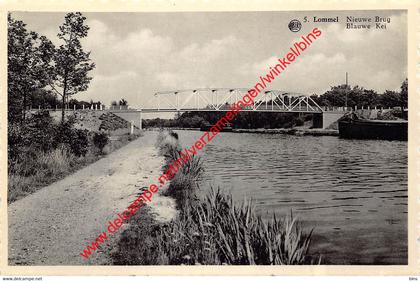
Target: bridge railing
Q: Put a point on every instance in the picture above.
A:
(336, 108)
(67, 108)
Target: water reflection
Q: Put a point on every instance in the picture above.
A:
(353, 192)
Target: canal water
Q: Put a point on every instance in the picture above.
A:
(352, 192)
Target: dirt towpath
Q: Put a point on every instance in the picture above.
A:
(51, 226)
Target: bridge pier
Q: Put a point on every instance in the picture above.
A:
(327, 119)
(133, 116)
(317, 120)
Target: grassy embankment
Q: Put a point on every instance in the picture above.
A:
(44, 168)
(34, 168)
(213, 230)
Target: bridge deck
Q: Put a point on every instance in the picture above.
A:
(150, 110)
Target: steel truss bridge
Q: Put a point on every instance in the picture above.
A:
(220, 99)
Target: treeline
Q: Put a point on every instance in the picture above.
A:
(40, 149)
(45, 99)
(345, 95)
(337, 96)
(244, 120)
(39, 72)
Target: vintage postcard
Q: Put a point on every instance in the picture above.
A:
(183, 137)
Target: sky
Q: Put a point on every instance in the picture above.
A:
(138, 54)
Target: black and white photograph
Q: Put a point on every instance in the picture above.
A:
(207, 138)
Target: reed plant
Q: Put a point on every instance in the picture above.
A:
(168, 144)
(217, 231)
(211, 230)
(184, 185)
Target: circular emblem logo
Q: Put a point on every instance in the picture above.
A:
(295, 25)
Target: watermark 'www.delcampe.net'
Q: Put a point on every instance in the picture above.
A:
(173, 168)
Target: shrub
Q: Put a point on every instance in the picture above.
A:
(36, 135)
(288, 125)
(393, 114)
(191, 122)
(80, 143)
(100, 140)
(300, 121)
(25, 163)
(15, 140)
(39, 132)
(41, 151)
(76, 139)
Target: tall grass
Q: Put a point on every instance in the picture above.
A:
(184, 185)
(219, 232)
(37, 169)
(55, 162)
(210, 230)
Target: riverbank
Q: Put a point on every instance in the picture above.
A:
(209, 229)
(43, 150)
(290, 131)
(69, 214)
(56, 165)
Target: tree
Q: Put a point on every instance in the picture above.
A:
(356, 96)
(28, 56)
(43, 98)
(336, 96)
(390, 99)
(100, 140)
(404, 96)
(123, 102)
(71, 63)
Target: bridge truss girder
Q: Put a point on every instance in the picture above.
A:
(220, 99)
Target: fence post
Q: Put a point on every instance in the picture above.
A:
(83, 106)
(140, 126)
(132, 127)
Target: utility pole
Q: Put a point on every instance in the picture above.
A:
(346, 88)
